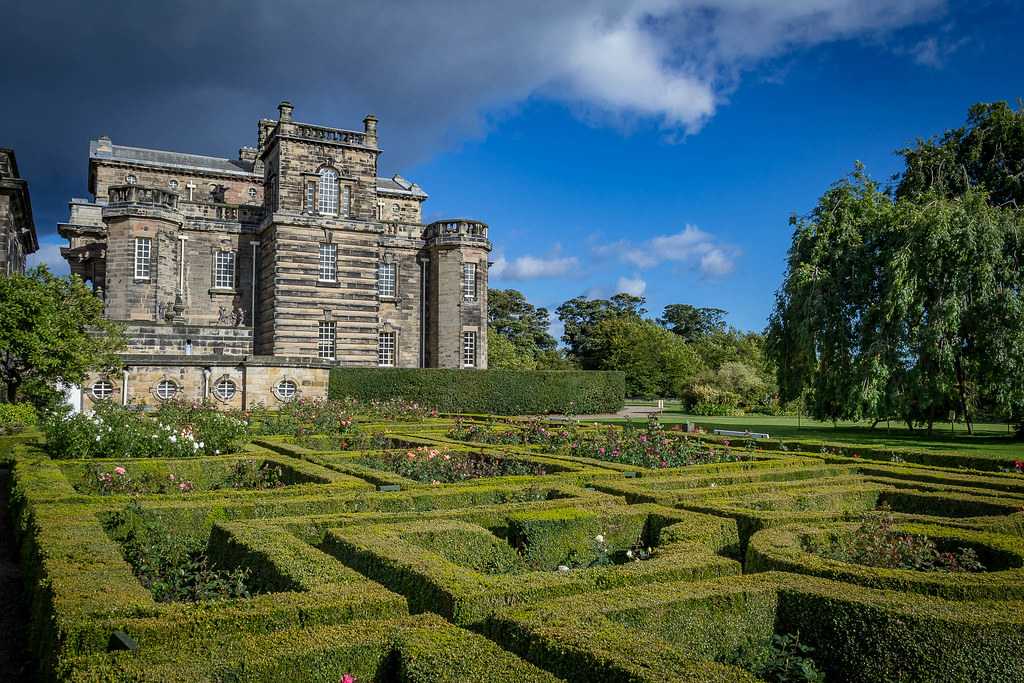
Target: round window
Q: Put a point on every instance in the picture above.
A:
(252, 192)
(173, 184)
(286, 389)
(166, 389)
(102, 389)
(395, 208)
(225, 389)
(130, 179)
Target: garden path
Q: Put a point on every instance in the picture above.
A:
(13, 610)
(629, 412)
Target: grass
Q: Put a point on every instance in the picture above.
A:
(988, 439)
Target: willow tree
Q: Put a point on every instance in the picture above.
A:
(908, 307)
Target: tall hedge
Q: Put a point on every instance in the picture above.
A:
(502, 392)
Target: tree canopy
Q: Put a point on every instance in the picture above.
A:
(692, 323)
(581, 315)
(52, 330)
(909, 302)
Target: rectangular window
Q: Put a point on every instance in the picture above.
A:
(386, 280)
(325, 341)
(469, 280)
(346, 194)
(386, 348)
(469, 349)
(143, 250)
(310, 197)
(328, 263)
(224, 272)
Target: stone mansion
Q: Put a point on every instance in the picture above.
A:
(246, 280)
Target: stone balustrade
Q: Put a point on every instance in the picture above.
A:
(141, 194)
(457, 227)
(321, 133)
(235, 213)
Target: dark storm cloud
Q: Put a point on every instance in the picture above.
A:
(196, 76)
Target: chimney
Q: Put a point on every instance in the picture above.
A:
(370, 128)
(285, 110)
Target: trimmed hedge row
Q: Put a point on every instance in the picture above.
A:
(499, 392)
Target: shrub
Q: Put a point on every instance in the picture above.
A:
(501, 392)
(783, 659)
(16, 417)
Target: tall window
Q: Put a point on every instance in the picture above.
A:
(469, 349)
(325, 340)
(346, 194)
(310, 197)
(386, 280)
(386, 348)
(224, 272)
(328, 192)
(469, 280)
(143, 250)
(328, 263)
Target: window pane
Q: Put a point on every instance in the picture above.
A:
(469, 280)
(224, 276)
(345, 194)
(286, 388)
(386, 279)
(143, 246)
(225, 389)
(328, 262)
(166, 389)
(310, 196)
(386, 348)
(469, 349)
(325, 340)
(328, 192)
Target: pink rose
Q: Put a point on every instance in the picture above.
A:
(119, 470)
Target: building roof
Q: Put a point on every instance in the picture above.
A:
(399, 185)
(104, 149)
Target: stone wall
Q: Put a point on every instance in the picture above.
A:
(256, 380)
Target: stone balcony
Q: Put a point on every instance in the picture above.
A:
(121, 195)
(457, 227)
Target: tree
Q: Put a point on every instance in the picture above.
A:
(52, 330)
(907, 306)
(986, 155)
(655, 361)
(580, 315)
(692, 323)
(502, 354)
(516, 320)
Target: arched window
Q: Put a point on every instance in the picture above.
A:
(328, 192)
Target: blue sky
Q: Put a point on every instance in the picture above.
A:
(650, 146)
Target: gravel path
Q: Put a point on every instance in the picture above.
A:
(13, 611)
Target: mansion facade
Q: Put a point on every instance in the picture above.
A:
(246, 279)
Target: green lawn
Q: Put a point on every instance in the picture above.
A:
(988, 439)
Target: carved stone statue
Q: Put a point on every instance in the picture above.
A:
(239, 317)
(160, 308)
(222, 316)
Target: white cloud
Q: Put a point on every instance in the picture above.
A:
(703, 251)
(633, 285)
(50, 255)
(529, 267)
(933, 52)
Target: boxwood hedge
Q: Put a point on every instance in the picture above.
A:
(499, 392)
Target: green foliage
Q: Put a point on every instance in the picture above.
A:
(654, 360)
(502, 353)
(172, 566)
(783, 659)
(910, 304)
(692, 323)
(501, 392)
(52, 330)
(249, 475)
(581, 315)
(514, 319)
(16, 417)
(986, 154)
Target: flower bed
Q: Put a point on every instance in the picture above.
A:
(441, 466)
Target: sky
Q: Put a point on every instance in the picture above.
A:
(655, 147)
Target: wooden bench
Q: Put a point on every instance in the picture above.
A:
(751, 435)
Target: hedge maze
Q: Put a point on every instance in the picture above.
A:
(591, 571)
